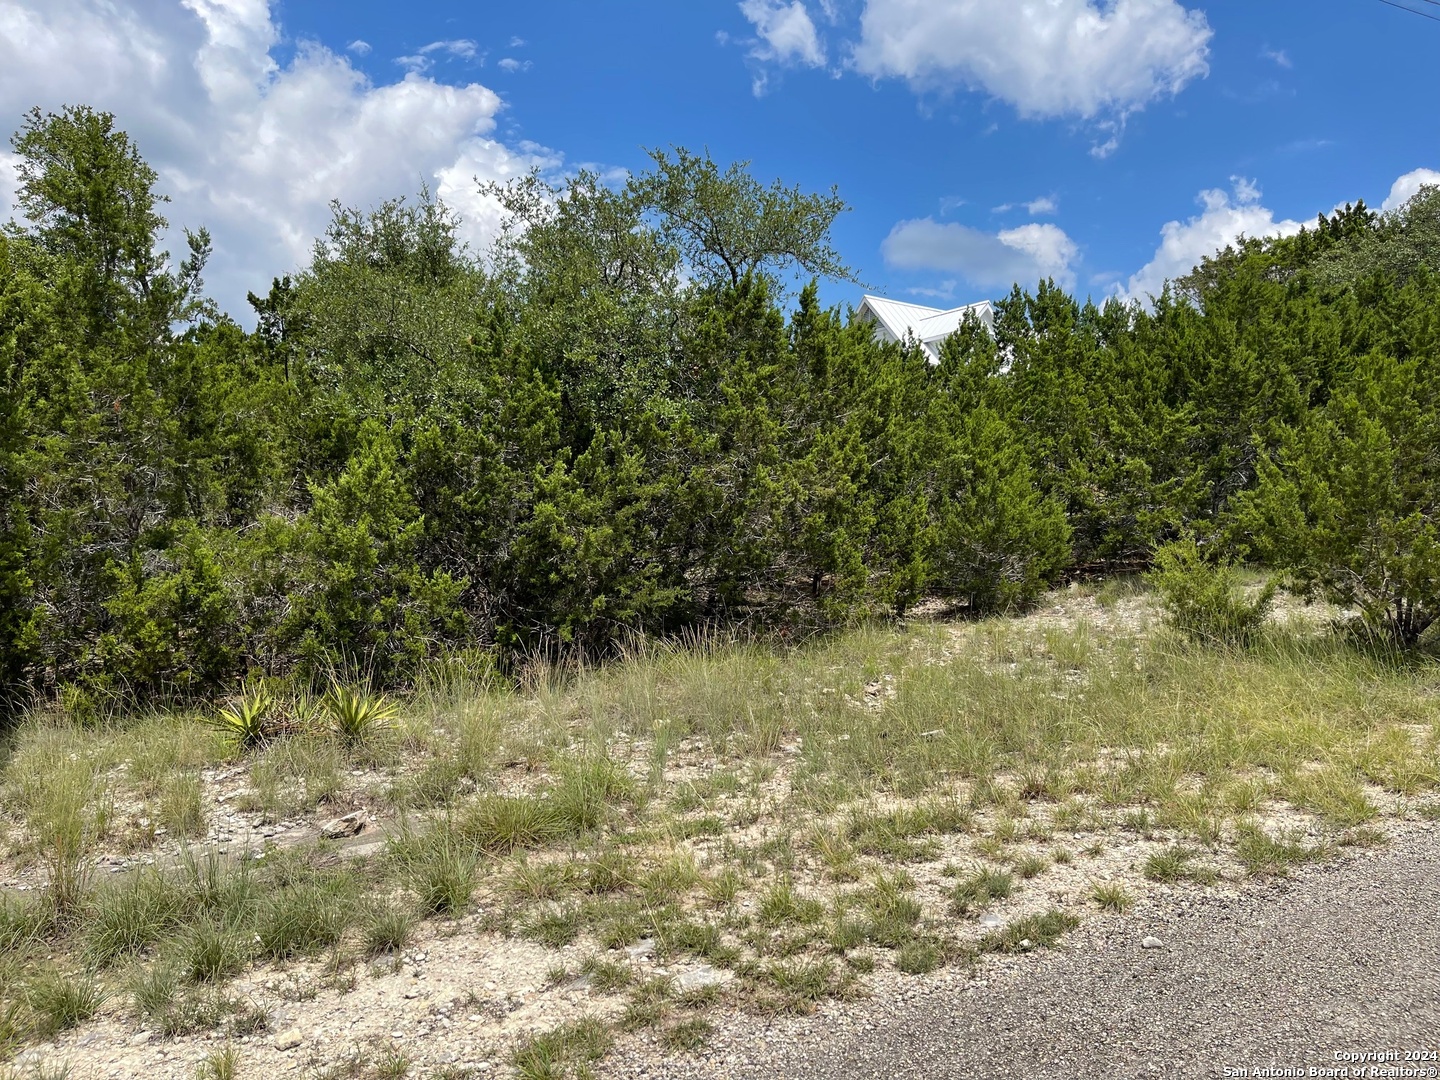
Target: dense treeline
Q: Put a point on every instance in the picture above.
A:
(609, 423)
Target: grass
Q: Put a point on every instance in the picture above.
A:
(1177, 863)
(801, 815)
(1112, 896)
(550, 1055)
(386, 928)
(60, 1000)
(1030, 932)
(222, 1064)
(979, 890)
(1264, 855)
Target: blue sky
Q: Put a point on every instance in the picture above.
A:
(979, 141)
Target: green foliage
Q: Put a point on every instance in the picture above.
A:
(357, 715)
(1349, 503)
(248, 722)
(1202, 596)
(611, 424)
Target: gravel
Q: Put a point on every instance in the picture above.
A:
(1340, 957)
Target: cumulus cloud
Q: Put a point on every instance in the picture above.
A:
(246, 146)
(785, 32)
(513, 65)
(1078, 58)
(1408, 186)
(359, 47)
(986, 260)
(1224, 218)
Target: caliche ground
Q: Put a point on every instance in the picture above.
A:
(641, 867)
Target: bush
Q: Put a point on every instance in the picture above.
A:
(1203, 598)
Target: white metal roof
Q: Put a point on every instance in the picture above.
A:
(897, 319)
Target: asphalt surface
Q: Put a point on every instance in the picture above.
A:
(1341, 957)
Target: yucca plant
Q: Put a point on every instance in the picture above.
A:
(356, 715)
(245, 724)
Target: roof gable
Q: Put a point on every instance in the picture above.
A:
(929, 326)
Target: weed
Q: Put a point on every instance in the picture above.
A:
(387, 928)
(688, 1035)
(439, 867)
(607, 976)
(547, 1056)
(209, 953)
(304, 920)
(501, 824)
(1111, 896)
(802, 983)
(1030, 932)
(59, 1001)
(1030, 866)
(222, 1064)
(1177, 863)
(1263, 855)
(610, 871)
(153, 991)
(980, 889)
(584, 792)
(783, 905)
(553, 925)
(392, 1064)
(918, 958)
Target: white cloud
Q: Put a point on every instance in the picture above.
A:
(250, 148)
(8, 182)
(986, 260)
(786, 32)
(358, 47)
(513, 65)
(1046, 204)
(1054, 58)
(1222, 221)
(1408, 186)
(1279, 57)
(517, 43)
(424, 58)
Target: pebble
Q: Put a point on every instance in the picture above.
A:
(703, 977)
(288, 1040)
(1152, 943)
(644, 947)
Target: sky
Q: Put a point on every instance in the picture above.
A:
(1107, 144)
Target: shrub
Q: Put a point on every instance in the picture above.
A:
(1203, 598)
(356, 715)
(246, 723)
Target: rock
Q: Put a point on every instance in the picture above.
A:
(703, 977)
(348, 825)
(289, 1040)
(991, 921)
(140, 1038)
(644, 947)
(1152, 943)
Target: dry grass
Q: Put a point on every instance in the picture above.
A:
(800, 817)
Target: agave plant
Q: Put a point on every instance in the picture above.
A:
(245, 724)
(355, 714)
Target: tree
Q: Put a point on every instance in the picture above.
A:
(90, 199)
(727, 225)
(1349, 504)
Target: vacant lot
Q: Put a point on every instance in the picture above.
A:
(638, 852)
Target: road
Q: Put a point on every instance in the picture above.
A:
(1342, 957)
